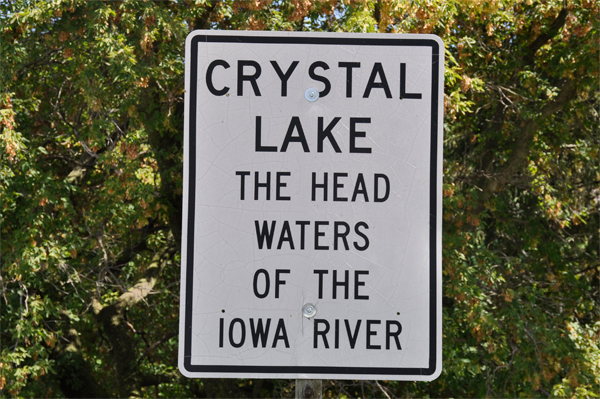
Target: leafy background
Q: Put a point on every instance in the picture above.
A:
(91, 129)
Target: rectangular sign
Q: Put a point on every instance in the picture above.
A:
(311, 243)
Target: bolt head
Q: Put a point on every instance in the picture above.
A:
(309, 310)
(311, 94)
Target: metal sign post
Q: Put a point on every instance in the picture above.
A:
(312, 206)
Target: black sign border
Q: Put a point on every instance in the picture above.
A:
(433, 310)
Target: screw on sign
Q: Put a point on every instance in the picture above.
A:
(309, 310)
(312, 206)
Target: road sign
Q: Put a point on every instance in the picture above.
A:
(312, 206)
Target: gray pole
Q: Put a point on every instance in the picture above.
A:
(309, 389)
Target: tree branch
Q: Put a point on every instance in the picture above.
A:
(543, 38)
(161, 341)
(520, 152)
(88, 158)
(145, 232)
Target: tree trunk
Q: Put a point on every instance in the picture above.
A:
(309, 389)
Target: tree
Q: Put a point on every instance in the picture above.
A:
(90, 172)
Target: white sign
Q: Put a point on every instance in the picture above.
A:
(311, 243)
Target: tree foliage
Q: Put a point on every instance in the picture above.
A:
(91, 181)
